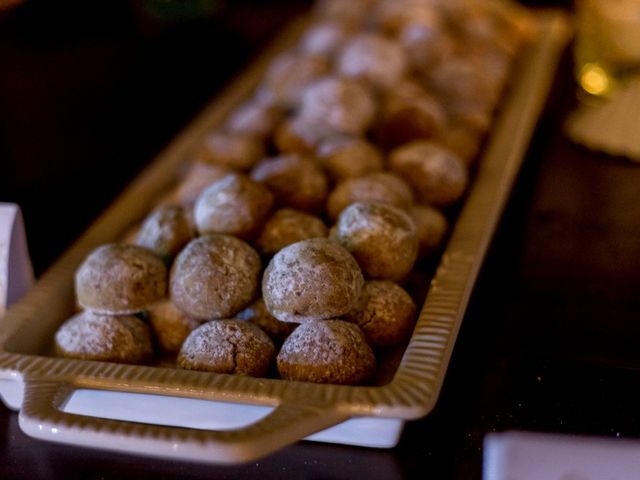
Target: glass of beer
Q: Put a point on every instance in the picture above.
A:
(607, 47)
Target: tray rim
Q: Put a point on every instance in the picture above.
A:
(415, 387)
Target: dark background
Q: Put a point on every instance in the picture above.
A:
(89, 95)
(91, 91)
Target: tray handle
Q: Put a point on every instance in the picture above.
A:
(41, 417)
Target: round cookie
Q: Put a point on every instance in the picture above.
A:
(424, 46)
(93, 336)
(338, 104)
(295, 181)
(297, 135)
(327, 351)
(378, 187)
(381, 237)
(461, 140)
(227, 346)
(165, 231)
(490, 27)
(466, 90)
(437, 175)
(199, 176)
(392, 15)
(431, 227)
(324, 38)
(374, 58)
(497, 68)
(171, 325)
(458, 76)
(231, 150)
(288, 76)
(258, 314)
(346, 157)
(233, 205)
(253, 119)
(405, 118)
(388, 315)
(352, 13)
(215, 276)
(311, 280)
(471, 113)
(120, 279)
(287, 226)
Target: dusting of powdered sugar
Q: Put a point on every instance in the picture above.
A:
(295, 180)
(93, 336)
(120, 279)
(326, 351)
(438, 175)
(227, 346)
(341, 104)
(215, 276)
(375, 58)
(252, 118)
(387, 316)
(361, 221)
(323, 38)
(311, 280)
(382, 238)
(165, 231)
(378, 187)
(233, 205)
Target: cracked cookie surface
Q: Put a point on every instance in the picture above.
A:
(227, 346)
(326, 351)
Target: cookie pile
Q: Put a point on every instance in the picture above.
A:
(284, 248)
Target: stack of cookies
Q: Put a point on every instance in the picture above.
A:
(284, 248)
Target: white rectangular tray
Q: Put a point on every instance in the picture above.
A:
(224, 418)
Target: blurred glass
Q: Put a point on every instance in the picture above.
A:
(607, 48)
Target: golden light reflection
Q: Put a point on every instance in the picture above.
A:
(594, 79)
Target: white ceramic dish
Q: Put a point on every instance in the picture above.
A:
(223, 418)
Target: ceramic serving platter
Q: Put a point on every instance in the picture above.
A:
(217, 418)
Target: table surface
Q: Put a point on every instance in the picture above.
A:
(549, 342)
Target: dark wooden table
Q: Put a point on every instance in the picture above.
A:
(550, 340)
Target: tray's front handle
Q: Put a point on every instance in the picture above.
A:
(41, 417)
